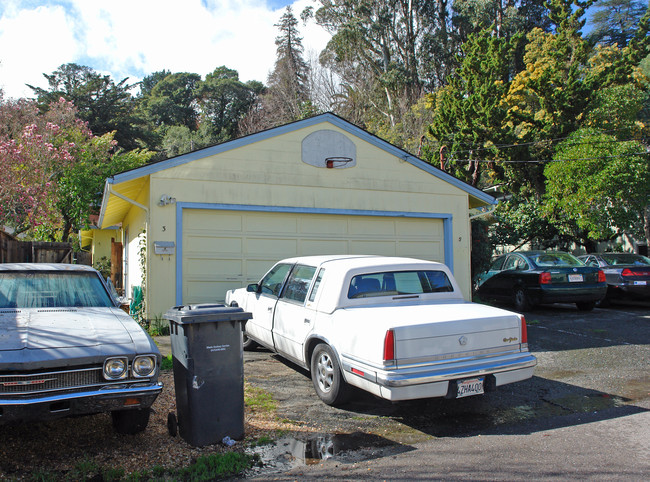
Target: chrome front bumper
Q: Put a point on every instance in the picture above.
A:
(58, 405)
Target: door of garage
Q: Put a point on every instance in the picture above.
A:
(222, 249)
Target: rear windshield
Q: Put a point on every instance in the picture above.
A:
(399, 283)
(626, 259)
(555, 259)
(52, 290)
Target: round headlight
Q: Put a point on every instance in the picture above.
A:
(115, 368)
(144, 366)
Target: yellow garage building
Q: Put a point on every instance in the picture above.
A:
(195, 225)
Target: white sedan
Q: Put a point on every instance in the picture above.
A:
(396, 327)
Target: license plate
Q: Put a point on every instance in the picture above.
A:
(575, 278)
(640, 283)
(472, 386)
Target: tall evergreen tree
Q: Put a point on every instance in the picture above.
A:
(287, 97)
(288, 82)
(469, 118)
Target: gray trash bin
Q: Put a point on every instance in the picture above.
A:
(208, 363)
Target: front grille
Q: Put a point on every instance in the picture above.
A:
(55, 381)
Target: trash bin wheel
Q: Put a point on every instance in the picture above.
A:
(172, 424)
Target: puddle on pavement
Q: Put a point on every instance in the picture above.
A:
(289, 452)
(400, 431)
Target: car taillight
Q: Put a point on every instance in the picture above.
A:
(524, 331)
(389, 346)
(601, 276)
(544, 278)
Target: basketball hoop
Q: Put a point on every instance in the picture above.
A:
(337, 161)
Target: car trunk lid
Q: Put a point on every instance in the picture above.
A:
(450, 333)
(573, 276)
(433, 331)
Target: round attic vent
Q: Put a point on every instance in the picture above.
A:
(329, 149)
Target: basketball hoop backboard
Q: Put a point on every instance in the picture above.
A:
(329, 149)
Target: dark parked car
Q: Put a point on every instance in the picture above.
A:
(628, 274)
(66, 348)
(529, 278)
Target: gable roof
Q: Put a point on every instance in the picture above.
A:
(132, 181)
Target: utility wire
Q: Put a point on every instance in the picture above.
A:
(477, 147)
(551, 160)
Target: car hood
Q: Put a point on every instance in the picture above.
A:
(48, 328)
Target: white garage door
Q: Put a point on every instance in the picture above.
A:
(222, 250)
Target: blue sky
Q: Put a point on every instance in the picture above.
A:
(133, 38)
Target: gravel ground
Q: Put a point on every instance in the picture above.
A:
(60, 446)
(592, 368)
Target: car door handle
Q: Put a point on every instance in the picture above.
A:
(307, 320)
(269, 309)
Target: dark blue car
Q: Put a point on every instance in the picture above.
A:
(530, 278)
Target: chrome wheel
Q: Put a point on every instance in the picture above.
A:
(326, 376)
(324, 372)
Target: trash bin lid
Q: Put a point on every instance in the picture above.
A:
(205, 313)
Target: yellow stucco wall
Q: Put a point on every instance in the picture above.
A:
(101, 246)
(270, 173)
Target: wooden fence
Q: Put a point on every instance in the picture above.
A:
(15, 251)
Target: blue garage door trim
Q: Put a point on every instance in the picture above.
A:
(447, 226)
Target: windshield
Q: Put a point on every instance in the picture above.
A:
(399, 283)
(52, 289)
(626, 258)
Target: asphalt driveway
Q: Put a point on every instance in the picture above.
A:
(585, 413)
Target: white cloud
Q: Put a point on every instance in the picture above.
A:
(133, 38)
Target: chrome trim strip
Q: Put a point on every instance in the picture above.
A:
(434, 359)
(76, 389)
(457, 357)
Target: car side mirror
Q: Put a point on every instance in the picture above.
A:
(252, 288)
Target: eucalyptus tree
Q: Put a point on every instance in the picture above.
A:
(615, 22)
(223, 100)
(375, 49)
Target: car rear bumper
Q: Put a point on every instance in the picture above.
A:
(549, 294)
(628, 290)
(53, 406)
(433, 381)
